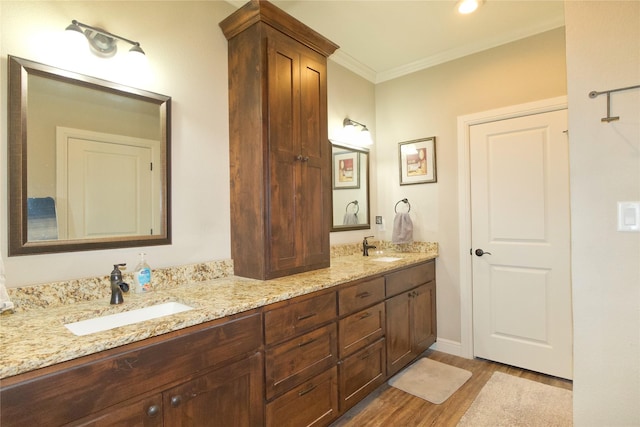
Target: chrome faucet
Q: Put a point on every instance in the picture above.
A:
(366, 246)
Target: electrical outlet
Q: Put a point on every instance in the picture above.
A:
(378, 220)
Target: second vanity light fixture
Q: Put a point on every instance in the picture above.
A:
(103, 43)
(359, 138)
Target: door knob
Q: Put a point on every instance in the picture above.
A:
(480, 252)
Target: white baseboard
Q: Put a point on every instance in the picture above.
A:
(449, 347)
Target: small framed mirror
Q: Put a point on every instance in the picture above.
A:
(89, 162)
(350, 181)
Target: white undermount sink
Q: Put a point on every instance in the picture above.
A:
(111, 321)
(386, 259)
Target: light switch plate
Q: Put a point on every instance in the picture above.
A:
(629, 216)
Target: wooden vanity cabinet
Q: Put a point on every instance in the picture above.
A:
(207, 372)
(410, 314)
(301, 352)
(279, 151)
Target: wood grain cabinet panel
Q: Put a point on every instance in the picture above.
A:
(361, 329)
(298, 317)
(229, 396)
(313, 403)
(361, 373)
(146, 412)
(293, 361)
(409, 278)
(361, 295)
(410, 315)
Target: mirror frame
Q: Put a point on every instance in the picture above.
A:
(334, 227)
(18, 73)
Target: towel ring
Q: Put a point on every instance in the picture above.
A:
(355, 202)
(405, 200)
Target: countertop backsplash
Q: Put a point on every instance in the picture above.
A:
(94, 288)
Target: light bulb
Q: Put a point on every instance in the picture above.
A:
(467, 6)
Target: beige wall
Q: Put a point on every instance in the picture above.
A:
(427, 103)
(603, 52)
(350, 95)
(187, 55)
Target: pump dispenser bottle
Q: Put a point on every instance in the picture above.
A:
(142, 275)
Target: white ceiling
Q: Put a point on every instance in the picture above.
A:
(384, 39)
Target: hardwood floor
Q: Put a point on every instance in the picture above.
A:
(389, 406)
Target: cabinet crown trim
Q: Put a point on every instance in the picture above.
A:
(263, 11)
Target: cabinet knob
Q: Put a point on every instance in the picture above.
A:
(176, 401)
(153, 410)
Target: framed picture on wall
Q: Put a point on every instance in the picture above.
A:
(346, 170)
(417, 161)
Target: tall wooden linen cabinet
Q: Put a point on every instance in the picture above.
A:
(280, 155)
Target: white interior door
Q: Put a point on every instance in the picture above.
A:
(520, 220)
(109, 189)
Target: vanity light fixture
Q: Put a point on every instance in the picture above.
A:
(103, 43)
(359, 138)
(468, 6)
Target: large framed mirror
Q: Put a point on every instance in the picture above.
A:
(350, 181)
(89, 162)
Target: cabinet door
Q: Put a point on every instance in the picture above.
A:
(423, 313)
(299, 160)
(399, 349)
(285, 154)
(229, 396)
(316, 158)
(145, 412)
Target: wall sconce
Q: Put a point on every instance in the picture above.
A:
(103, 43)
(468, 6)
(359, 138)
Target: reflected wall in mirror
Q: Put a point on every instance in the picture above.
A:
(89, 162)
(350, 180)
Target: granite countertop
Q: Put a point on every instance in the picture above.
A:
(38, 338)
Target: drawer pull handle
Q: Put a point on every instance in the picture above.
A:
(364, 315)
(302, 344)
(364, 294)
(306, 316)
(153, 410)
(365, 356)
(176, 401)
(307, 390)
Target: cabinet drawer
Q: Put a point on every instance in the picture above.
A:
(313, 403)
(410, 277)
(361, 373)
(361, 329)
(291, 320)
(289, 363)
(78, 389)
(361, 295)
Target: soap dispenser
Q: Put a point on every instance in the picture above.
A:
(116, 282)
(142, 275)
